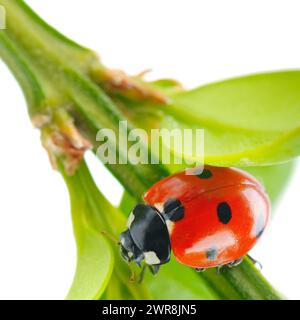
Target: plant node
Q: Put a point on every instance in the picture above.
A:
(63, 142)
(115, 81)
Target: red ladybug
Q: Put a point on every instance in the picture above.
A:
(209, 219)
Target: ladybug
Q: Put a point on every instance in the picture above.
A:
(210, 217)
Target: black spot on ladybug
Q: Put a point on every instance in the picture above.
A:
(211, 253)
(171, 204)
(173, 210)
(205, 174)
(224, 212)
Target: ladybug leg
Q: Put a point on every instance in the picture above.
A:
(199, 269)
(218, 269)
(154, 268)
(138, 260)
(235, 263)
(255, 262)
(142, 274)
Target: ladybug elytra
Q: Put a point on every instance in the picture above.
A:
(208, 220)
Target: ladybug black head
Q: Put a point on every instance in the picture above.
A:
(146, 238)
(129, 250)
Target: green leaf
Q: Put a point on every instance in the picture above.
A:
(94, 267)
(248, 121)
(95, 257)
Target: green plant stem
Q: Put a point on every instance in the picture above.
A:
(61, 79)
(242, 282)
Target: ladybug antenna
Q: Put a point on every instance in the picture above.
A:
(142, 273)
(110, 237)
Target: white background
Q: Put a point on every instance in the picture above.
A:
(192, 40)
